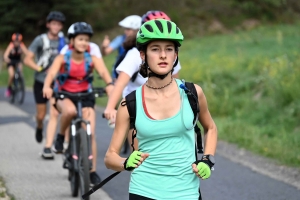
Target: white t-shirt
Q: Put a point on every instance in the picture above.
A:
(94, 50)
(131, 64)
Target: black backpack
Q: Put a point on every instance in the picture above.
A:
(131, 107)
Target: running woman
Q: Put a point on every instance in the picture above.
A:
(164, 166)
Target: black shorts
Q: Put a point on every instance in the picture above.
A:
(87, 101)
(13, 63)
(38, 93)
(138, 197)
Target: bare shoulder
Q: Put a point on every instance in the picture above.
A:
(199, 90)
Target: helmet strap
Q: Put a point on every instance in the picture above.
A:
(153, 74)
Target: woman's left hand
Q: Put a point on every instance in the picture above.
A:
(202, 170)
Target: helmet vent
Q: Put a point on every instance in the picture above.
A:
(169, 27)
(177, 30)
(159, 26)
(149, 28)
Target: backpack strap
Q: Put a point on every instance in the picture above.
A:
(46, 52)
(65, 69)
(130, 102)
(134, 76)
(88, 69)
(195, 109)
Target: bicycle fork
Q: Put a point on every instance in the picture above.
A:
(74, 144)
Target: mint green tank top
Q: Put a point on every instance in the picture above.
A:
(167, 172)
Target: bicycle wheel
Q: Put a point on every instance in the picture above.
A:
(73, 173)
(12, 95)
(84, 163)
(19, 89)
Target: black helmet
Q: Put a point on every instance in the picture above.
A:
(57, 16)
(80, 28)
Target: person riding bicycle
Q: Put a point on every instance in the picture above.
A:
(12, 56)
(164, 166)
(129, 79)
(130, 24)
(40, 56)
(76, 80)
(53, 120)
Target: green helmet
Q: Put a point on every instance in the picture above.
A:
(158, 29)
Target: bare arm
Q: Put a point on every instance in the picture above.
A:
(112, 159)
(210, 128)
(29, 61)
(24, 48)
(6, 53)
(106, 50)
(103, 72)
(53, 70)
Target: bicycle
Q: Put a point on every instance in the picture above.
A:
(78, 153)
(18, 86)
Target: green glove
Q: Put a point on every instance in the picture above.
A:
(132, 161)
(204, 170)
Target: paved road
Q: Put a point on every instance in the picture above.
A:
(27, 176)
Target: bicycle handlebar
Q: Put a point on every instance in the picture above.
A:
(98, 92)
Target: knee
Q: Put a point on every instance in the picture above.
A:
(53, 113)
(69, 111)
(40, 116)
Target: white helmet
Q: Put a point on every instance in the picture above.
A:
(132, 22)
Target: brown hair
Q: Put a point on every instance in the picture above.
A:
(129, 42)
(144, 70)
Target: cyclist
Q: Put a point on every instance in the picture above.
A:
(12, 56)
(130, 24)
(129, 79)
(47, 152)
(164, 124)
(40, 56)
(76, 82)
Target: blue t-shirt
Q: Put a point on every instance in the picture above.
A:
(117, 43)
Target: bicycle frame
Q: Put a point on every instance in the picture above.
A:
(75, 125)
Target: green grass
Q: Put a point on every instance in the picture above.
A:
(251, 81)
(4, 194)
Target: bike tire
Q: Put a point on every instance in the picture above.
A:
(84, 163)
(13, 92)
(20, 92)
(73, 174)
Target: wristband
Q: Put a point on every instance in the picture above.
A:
(40, 69)
(110, 83)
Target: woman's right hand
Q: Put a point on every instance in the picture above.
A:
(110, 114)
(135, 159)
(47, 92)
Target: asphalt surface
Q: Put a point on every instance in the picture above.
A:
(27, 176)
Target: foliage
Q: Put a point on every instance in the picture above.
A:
(194, 16)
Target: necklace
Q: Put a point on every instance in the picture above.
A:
(157, 88)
